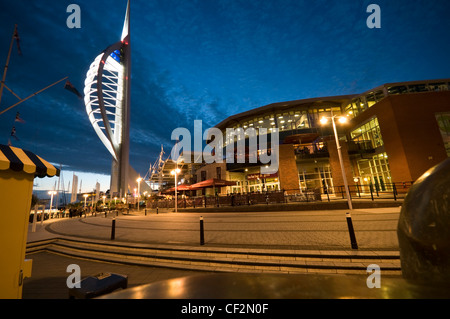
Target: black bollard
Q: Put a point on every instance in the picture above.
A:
(351, 231)
(156, 210)
(145, 211)
(202, 235)
(113, 229)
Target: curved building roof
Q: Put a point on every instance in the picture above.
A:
(364, 101)
(281, 107)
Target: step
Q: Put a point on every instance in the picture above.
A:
(221, 259)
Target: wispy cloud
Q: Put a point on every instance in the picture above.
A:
(207, 60)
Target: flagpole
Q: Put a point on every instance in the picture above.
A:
(57, 191)
(30, 96)
(6, 87)
(7, 62)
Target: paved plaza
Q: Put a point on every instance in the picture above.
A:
(375, 228)
(312, 231)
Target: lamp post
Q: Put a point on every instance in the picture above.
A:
(51, 200)
(85, 197)
(176, 172)
(341, 119)
(139, 190)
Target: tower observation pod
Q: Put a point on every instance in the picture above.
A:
(107, 100)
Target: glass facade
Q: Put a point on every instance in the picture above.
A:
(368, 135)
(302, 128)
(375, 172)
(317, 175)
(362, 103)
(367, 100)
(298, 118)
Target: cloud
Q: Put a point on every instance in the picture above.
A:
(206, 60)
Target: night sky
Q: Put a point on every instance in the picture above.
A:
(205, 59)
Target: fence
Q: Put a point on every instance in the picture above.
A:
(218, 201)
(387, 191)
(395, 191)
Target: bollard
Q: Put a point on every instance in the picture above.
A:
(113, 229)
(156, 210)
(145, 211)
(202, 235)
(351, 231)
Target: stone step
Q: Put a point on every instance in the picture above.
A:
(222, 259)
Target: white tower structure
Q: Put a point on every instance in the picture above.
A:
(107, 100)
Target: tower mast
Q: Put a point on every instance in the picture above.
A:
(107, 99)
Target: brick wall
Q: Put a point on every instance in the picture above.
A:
(287, 169)
(410, 131)
(335, 165)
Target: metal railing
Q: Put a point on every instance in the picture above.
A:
(386, 191)
(220, 200)
(373, 192)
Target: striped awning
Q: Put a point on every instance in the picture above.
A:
(20, 160)
(214, 182)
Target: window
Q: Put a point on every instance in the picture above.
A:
(218, 172)
(301, 121)
(203, 176)
(438, 86)
(374, 97)
(401, 89)
(418, 88)
(443, 120)
(359, 105)
(317, 175)
(368, 135)
(375, 172)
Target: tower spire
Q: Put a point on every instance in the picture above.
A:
(126, 24)
(107, 85)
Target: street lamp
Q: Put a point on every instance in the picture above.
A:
(139, 189)
(85, 197)
(51, 200)
(341, 119)
(176, 172)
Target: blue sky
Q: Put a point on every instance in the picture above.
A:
(204, 59)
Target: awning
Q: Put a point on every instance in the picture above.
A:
(213, 183)
(20, 160)
(181, 187)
